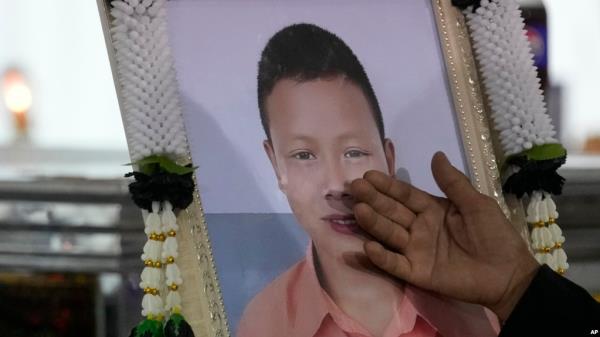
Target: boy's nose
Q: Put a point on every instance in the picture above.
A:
(337, 184)
(340, 200)
(338, 194)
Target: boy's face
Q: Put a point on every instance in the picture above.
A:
(323, 136)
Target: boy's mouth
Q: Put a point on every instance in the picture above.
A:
(343, 223)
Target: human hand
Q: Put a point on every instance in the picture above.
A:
(461, 246)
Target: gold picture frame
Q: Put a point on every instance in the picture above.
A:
(201, 294)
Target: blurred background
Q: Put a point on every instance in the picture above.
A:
(70, 238)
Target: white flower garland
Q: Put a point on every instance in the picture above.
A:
(161, 274)
(169, 254)
(151, 107)
(510, 78)
(154, 125)
(518, 109)
(152, 303)
(546, 237)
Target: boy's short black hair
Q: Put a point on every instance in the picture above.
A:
(305, 52)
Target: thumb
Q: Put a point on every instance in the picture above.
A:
(455, 185)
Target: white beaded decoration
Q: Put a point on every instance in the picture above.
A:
(509, 75)
(546, 235)
(517, 108)
(151, 277)
(161, 275)
(558, 253)
(151, 107)
(169, 253)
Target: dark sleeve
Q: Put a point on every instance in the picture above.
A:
(553, 306)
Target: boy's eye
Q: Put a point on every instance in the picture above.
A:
(304, 155)
(354, 154)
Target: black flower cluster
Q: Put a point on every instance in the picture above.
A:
(535, 175)
(463, 4)
(161, 186)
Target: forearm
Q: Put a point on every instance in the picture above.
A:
(553, 306)
(520, 280)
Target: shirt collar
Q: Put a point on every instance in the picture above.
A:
(311, 306)
(403, 319)
(449, 317)
(453, 318)
(314, 305)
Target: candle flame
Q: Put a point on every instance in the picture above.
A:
(17, 98)
(16, 92)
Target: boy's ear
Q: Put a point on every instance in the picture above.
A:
(268, 146)
(390, 156)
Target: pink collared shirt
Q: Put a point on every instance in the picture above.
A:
(295, 305)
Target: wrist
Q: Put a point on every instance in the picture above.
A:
(516, 288)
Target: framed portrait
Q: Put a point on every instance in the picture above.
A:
(284, 104)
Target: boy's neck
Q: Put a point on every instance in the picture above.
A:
(358, 287)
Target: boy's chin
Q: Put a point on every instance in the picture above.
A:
(345, 246)
(351, 247)
(359, 261)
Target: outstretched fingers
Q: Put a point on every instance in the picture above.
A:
(388, 196)
(389, 261)
(393, 235)
(396, 190)
(455, 185)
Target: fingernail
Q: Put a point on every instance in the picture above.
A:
(441, 154)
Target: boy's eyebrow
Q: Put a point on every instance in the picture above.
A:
(302, 137)
(350, 135)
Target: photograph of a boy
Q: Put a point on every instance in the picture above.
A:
(324, 128)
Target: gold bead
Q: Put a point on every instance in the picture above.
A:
(172, 233)
(558, 245)
(154, 291)
(561, 271)
(148, 263)
(539, 223)
(546, 250)
(161, 237)
(157, 264)
(152, 236)
(170, 259)
(551, 220)
(173, 287)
